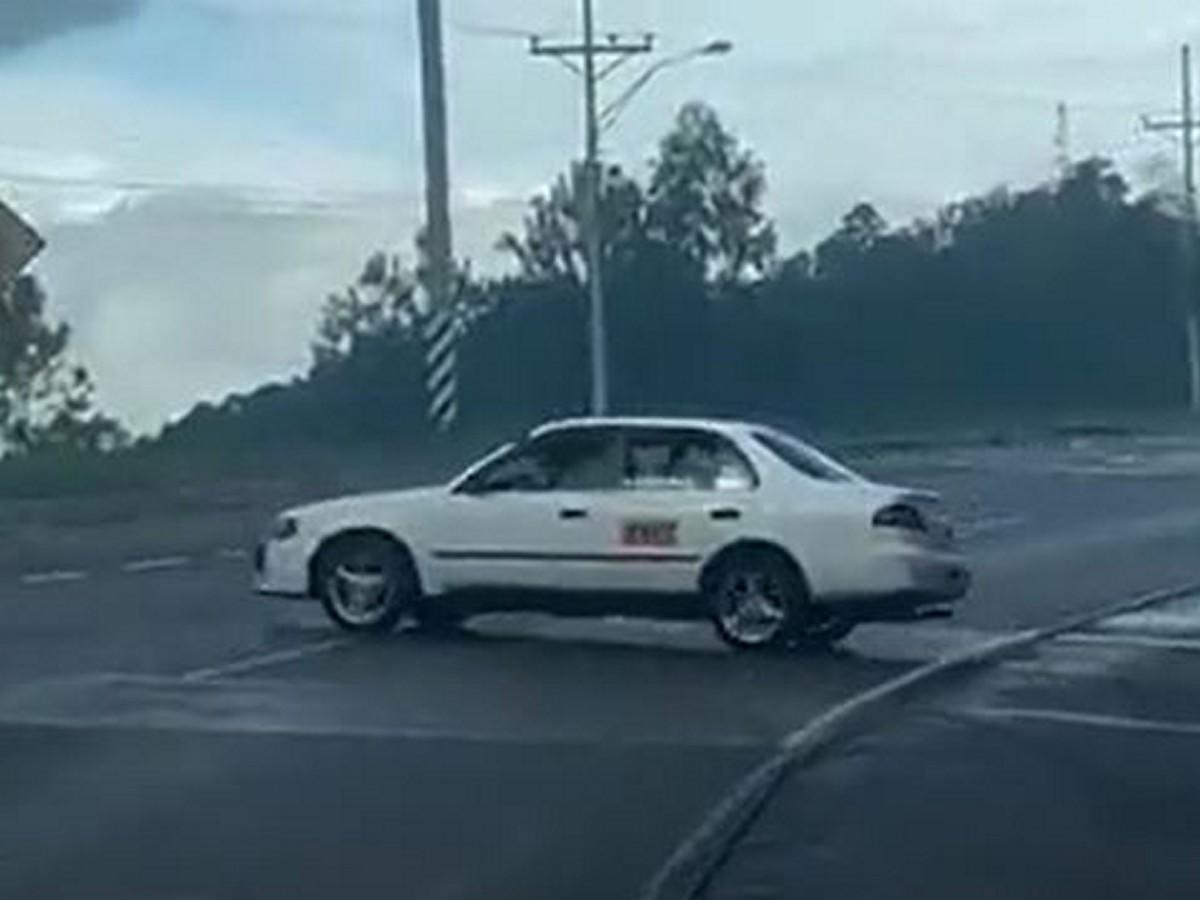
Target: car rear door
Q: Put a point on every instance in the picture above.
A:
(684, 493)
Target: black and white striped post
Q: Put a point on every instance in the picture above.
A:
(441, 332)
(440, 328)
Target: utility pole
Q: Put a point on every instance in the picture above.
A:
(617, 50)
(441, 352)
(1062, 141)
(1187, 125)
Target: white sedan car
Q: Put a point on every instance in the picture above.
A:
(663, 518)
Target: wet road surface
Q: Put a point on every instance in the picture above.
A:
(165, 734)
(1068, 771)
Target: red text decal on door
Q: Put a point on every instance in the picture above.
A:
(650, 534)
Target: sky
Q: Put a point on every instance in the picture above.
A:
(205, 172)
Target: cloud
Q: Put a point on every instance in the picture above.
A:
(194, 294)
(188, 295)
(291, 134)
(28, 22)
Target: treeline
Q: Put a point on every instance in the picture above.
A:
(1058, 297)
(46, 399)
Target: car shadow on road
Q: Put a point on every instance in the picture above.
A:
(536, 678)
(560, 646)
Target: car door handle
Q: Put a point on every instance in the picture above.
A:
(725, 514)
(572, 514)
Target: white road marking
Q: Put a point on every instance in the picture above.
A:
(35, 579)
(1185, 620)
(186, 722)
(231, 553)
(1138, 641)
(265, 660)
(156, 565)
(1089, 720)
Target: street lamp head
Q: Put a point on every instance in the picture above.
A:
(610, 113)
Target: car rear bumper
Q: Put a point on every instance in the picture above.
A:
(907, 586)
(943, 577)
(893, 608)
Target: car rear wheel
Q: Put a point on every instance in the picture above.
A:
(756, 598)
(366, 583)
(823, 630)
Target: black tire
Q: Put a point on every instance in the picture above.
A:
(366, 583)
(822, 632)
(757, 599)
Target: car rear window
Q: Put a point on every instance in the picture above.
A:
(804, 459)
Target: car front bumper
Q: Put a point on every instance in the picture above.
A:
(281, 569)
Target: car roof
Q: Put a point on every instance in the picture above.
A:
(722, 426)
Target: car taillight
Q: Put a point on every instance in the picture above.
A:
(900, 516)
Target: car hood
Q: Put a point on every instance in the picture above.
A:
(360, 504)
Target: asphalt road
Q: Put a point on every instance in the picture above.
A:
(164, 734)
(1069, 771)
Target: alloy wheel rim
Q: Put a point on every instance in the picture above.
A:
(361, 591)
(752, 607)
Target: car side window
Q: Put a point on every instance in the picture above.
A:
(521, 471)
(585, 459)
(684, 460)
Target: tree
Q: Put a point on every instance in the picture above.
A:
(842, 251)
(550, 246)
(382, 304)
(1059, 296)
(706, 196)
(381, 300)
(45, 400)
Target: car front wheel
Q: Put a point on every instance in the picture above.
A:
(366, 583)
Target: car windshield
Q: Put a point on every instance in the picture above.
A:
(803, 458)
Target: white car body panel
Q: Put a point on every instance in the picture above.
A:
(521, 540)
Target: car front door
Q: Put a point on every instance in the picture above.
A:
(528, 520)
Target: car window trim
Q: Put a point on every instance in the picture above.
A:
(463, 480)
(531, 440)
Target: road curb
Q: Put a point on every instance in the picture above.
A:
(691, 867)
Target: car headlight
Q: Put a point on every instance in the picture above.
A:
(284, 528)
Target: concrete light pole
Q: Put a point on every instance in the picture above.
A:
(596, 120)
